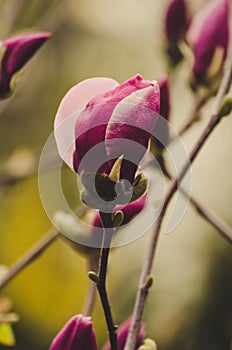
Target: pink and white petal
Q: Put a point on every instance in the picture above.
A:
(99, 110)
(79, 95)
(71, 106)
(65, 139)
(130, 128)
(138, 110)
(91, 125)
(208, 31)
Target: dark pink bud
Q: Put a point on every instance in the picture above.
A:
(111, 116)
(77, 334)
(209, 38)
(123, 333)
(17, 52)
(176, 20)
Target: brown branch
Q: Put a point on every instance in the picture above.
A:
(106, 219)
(220, 225)
(207, 214)
(32, 254)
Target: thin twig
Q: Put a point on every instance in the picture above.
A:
(142, 289)
(220, 225)
(9, 318)
(32, 254)
(193, 116)
(207, 214)
(9, 180)
(212, 218)
(56, 15)
(10, 15)
(101, 283)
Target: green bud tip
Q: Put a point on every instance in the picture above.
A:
(139, 187)
(83, 195)
(115, 172)
(149, 282)
(226, 107)
(148, 344)
(93, 276)
(118, 218)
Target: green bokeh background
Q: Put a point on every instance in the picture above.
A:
(190, 305)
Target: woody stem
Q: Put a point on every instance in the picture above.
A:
(108, 231)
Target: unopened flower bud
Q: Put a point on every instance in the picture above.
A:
(108, 120)
(176, 25)
(16, 52)
(209, 37)
(176, 20)
(78, 333)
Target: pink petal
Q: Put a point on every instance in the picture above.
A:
(176, 20)
(72, 104)
(208, 31)
(79, 95)
(130, 128)
(21, 48)
(91, 125)
(162, 127)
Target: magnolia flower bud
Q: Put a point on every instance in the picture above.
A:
(209, 37)
(16, 52)
(78, 333)
(176, 25)
(176, 20)
(110, 122)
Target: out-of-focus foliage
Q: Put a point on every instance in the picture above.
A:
(189, 306)
(6, 335)
(6, 318)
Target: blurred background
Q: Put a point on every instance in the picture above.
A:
(190, 305)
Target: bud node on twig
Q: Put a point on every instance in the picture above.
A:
(93, 276)
(226, 107)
